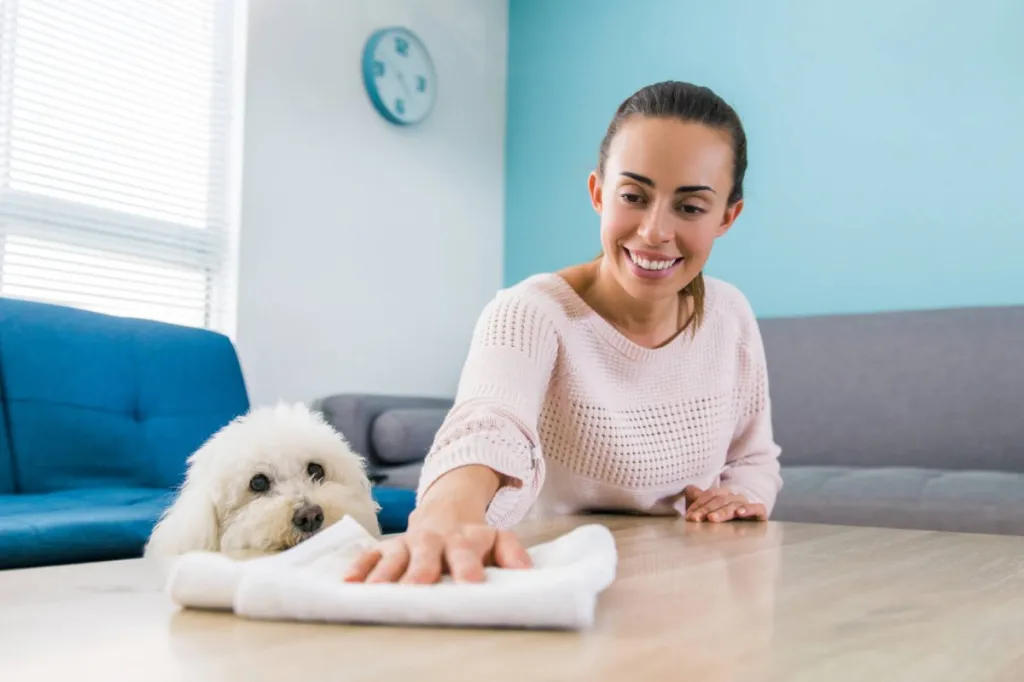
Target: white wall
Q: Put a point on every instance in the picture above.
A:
(367, 251)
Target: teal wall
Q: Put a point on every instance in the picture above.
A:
(886, 140)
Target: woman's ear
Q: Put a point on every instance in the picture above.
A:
(732, 212)
(189, 524)
(594, 186)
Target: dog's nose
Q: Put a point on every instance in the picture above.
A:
(308, 518)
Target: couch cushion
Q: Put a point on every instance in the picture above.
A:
(402, 436)
(904, 497)
(353, 414)
(937, 389)
(395, 507)
(77, 525)
(96, 400)
(404, 477)
(6, 461)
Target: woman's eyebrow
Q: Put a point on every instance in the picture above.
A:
(643, 179)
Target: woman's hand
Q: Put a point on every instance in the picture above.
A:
(720, 504)
(438, 544)
(447, 533)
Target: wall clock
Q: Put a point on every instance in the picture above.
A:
(399, 75)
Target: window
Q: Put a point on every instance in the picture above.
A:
(118, 129)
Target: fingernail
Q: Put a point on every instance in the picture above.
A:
(713, 517)
(741, 510)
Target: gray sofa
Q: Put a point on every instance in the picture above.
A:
(392, 432)
(899, 419)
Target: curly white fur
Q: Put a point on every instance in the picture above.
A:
(218, 510)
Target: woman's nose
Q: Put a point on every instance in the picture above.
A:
(656, 228)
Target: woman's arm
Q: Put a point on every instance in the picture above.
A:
(750, 480)
(752, 463)
(484, 467)
(487, 451)
(462, 494)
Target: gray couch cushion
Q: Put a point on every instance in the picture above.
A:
(406, 476)
(401, 436)
(353, 414)
(904, 497)
(938, 389)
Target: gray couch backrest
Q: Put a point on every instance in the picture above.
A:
(935, 389)
(387, 430)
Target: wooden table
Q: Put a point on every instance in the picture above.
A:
(745, 602)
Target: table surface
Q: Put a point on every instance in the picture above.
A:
(739, 601)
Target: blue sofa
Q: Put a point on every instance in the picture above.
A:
(98, 415)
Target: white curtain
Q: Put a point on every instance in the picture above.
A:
(117, 162)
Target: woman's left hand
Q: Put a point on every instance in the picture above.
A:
(720, 504)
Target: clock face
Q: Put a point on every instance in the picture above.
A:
(399, 75)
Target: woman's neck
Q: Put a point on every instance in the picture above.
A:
(651, 324)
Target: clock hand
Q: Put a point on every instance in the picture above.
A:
(405, 87)
(401, 78)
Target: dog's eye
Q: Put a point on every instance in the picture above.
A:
(315, 471)
(259, 483)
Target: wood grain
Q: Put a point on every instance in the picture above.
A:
(742, 601)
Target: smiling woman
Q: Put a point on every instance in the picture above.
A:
(712, 146)
(581, 392)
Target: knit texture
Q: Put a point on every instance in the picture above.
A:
(576, 417)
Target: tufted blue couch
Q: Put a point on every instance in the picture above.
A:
(97, 417)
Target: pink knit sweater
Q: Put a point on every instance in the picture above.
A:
(577, 417)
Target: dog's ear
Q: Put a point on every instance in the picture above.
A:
(189, 524)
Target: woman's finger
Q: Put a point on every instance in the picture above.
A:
(726, 512)
(752, 510)
(425, 559)
(392, 564)
(509, 552)
(361, 567)
(720, 503)
(701, 506)
(694, 504)
(464, 563)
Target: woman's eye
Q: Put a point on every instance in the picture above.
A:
(259, 483)
(315, 471)
(692, 210)
(632, 198)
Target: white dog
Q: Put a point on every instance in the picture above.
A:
(265, 482)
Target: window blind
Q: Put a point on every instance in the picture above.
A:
(116, 156)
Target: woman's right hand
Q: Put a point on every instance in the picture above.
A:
(446, 534)
(437, 543)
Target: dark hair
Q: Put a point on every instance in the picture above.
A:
(688, 103)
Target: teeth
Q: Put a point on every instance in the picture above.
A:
(651, 264)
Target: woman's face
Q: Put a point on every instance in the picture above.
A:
(663, 202)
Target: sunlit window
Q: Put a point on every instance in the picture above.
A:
(116, 157)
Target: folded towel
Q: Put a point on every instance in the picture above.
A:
(305, 583)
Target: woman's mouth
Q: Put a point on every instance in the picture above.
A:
(651, 266)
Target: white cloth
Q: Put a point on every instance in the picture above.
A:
(305, 583)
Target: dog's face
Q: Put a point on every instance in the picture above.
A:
(264, 483)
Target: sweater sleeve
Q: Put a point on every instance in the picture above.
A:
(494, 419)
(752, 462)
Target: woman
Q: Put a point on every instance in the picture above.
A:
(628, 383)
